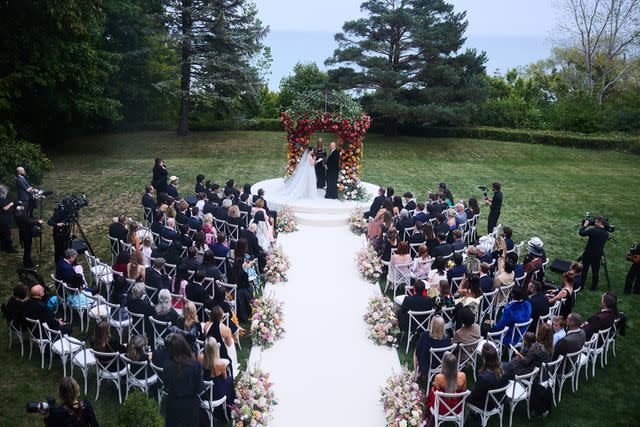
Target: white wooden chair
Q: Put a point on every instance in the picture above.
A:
(209, 404)
(568, 371)
(487, 305)
(611, 343)
(519, 389)
(159, 384)
(109, 367)
(517, 332)
(495, 339)
(84, 360)
(119, 325)
(160, 331)
(140, 375)
(468, 356)
(452, 412)
(547, 318)
(549, 375)
(16, 330)
(37, 337)
(115, 248)
(408, 232)
(455, 284)
(77, 301)
(435, 360)
(493, 405)
(599, 349)
(64, 346)
(398, 275)
(233, 232)
(585, 358)
(137, 325)
(418, 322)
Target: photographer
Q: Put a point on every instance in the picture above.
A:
(6, 245)
(594, 250)
(72, 412)
(61, 234)
(28, 229)
(634, 272)
(495, 204)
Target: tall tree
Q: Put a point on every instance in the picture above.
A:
(220, 47)
(305, 77)
(405, 56)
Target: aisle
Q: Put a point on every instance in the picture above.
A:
(326, 372)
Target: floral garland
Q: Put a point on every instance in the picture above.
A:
(382, 321)
(286, 220)
(403, 401)
(369, 264)
(358, 223)
(254, 398)
(266, 322)
(277, 265)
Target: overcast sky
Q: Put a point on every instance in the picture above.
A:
(512, 32)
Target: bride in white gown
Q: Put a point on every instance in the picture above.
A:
(302, 182)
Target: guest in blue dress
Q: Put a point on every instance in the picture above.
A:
(517, 311)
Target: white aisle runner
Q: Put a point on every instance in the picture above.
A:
(326, 372)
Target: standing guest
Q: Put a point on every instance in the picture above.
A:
(559, 324)
(244, 293)
(25, 191)
(573, 340)
(486, 281)
(263, 233)
(495, 205)
(159, 180)
(539, 303)
(416, 302)
(604, 318)
(71, 411)
(6, 245)
(182, 378)
(220, 332)
(26, 227)
(434, 338)
(566, 293)
(421, 264)
(594, 249)
(450, 380)
(148, 202)
(199, 187)
(490, 377)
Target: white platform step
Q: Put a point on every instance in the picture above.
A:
(323, 220)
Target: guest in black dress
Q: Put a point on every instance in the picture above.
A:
(214, 369)
(222, 334)
(244, 293)
(436, 337)
(159, 180)
(490, 377)
(321, 155)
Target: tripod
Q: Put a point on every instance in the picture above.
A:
(603, 262)
(74, 225)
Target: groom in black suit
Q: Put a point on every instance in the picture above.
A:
(333, 161)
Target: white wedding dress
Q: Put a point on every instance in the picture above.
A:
(302, 182)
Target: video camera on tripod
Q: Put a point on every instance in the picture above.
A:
(592, 221)
(68, 210)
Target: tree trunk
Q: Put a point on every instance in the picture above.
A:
(185, 69)
(390, 127)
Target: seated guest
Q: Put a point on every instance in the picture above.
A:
(443, 249)
(118, 229)
(558, 324)
(404, 222)
(222, 213)
(133, 238)
(539, 303)
(604, 318)
(172, 188)
(13, 310)
(243, 204)
(418, 234)
(470, 330)
(473, 209)
(155, 276)
(221, 247)
(188, 323)
(164, 308)
(450, 380)
(458, 242)
(231, 190)
(209, 266)
(182, 215)
(574, 339)
(490, 377)
(391, 242)
(376, 204)
(471, 293)
(401, 261)
(536, 350)
(433, 209)
(505, 276)
(516, 311)
(195, 290)
(65, 268)
(122, 260)
(234, 217)
(486, 281)
(194, 222)
(138, 302)
(249, 234)
(421, 264)
(416, 302)
(135, 267)
(158, 224)
(409, 202)
(169, 230)
(397, 203)
(438, 271)
(104, 342)
(137, 351)
(484, 254)
(518, 269)
(434, 338)
(576, 267)
(149, 202)
(36, 309)
(471, 261)
(458, 270)
(507, 232)
(188, 263)
(566, 293)
(429, 237)
(460, 215)
(419, 214)
(444, 298)
(208, 226)
(214, 369)
(452, 224)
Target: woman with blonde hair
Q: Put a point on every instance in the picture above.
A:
(207, 224)
(234, 216)
(189, 321)
(147, 250)
(215, 369)
(135, 267)
(436, 337)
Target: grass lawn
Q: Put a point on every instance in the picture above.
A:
(546, 192)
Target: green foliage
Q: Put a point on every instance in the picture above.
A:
(306, 77)
(407, 56)
(314, 103)
(269, 104)
(139, 410)
(274, 125)
(15, 152)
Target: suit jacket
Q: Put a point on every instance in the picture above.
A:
(21, 186)
(141, 306)
(149, 202)
(172, 191)
(539, 307)
(417, 238)
(157, 227)
(420, 216)
(195, 223)
(456, 271)
(255, 197)
(182, 217)
(168, 233)
(244, 207)
(222, 213)
(118, 231)
(333, 161)
(199, 188)
(411, 205)
(185, 265)
(196, 292)
(441, 228)
(35, 309)
(572, 342)
(219, 250)
(443, 249)
(156, 280)
(376, 205)
(598, 322)
(65, 271)
(457, 245)
(486, 283)
(412, 303)
(486, 382)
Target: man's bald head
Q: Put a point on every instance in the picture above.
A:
(37, 291)
(20, 170)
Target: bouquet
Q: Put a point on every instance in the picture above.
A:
(277, 265)
(403, 401)
(266, 322)
(382, 321)
(369, 264)
(286, 221)
(254, 398)
(358, 223)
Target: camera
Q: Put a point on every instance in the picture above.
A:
(68, 210)
(635, 249)
(484, 189)
(40, 407)
(592, 221)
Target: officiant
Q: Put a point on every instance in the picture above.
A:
(321, 157)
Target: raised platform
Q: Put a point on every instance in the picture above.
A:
(318, 212)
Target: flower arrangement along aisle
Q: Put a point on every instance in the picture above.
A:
(277, 265)
(286, 221)
(369, 264)
(403, 401)
(382, 321)
(358, 223)
(254, 398)
(266, 322)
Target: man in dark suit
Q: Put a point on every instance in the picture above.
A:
(539, 303)
(243, 205)
(149, 202)
(409, 203)
(333, 164)
(419, 214)
(458, 270)
(417, 302)
(376, 204)
(195, 290)
(604, 318)
(188, 263)
(194, 222)
(441, 225)
(486, 281)
(158, 224)
(594, 249)
(169, 230)
(574, 340)
(36, 309)
(457, 243)
(118, 229)
(172, 188)
(25, 191)
(64, 267)
(222, 213)
(443, 248)
(418, 234)
(254, 249)
(433, 209)
(155, 278)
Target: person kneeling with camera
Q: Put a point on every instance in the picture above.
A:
(71, 412)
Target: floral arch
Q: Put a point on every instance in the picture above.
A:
(333, 112)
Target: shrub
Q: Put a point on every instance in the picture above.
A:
(15, 152)
(139, 410)
(274, 125)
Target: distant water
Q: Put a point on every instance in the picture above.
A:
(290, 47)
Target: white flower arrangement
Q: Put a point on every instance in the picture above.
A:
(286, 222)
(357, 222)
(277, 265)
(382, 321)
(369, 264)
(403, 401)
(266, 322)
(254, 398)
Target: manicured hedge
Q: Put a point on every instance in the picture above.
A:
(250, 124)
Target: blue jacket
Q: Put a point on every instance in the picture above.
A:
(514, 312)
(65, 271)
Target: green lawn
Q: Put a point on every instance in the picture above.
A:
(546, 190)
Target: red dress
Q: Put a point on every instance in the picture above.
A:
(450, 401)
